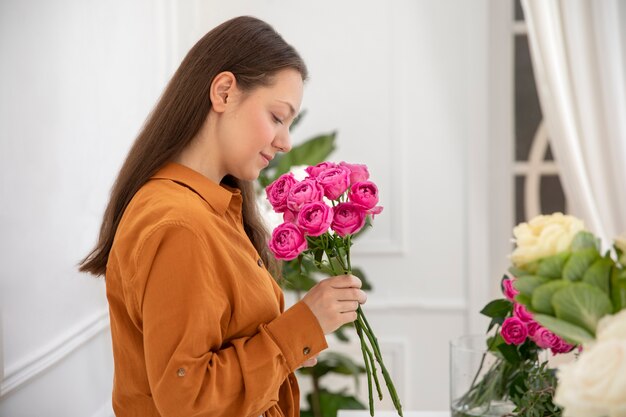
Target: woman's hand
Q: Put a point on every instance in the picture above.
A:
(312, 361)
(334, 301)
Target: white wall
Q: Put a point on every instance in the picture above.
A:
(77, 78)
(405, 83)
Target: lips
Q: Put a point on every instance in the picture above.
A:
(266, 157)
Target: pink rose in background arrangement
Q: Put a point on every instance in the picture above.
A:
(287, 242)
(532, 327)
(306, 191)
(514, 331)
(348, 218)
(545, 339)
(335, 181)
(317, 169)
(509, 290)
(358, 172)
(561, 347)
(315, 218)
(278, 191)
(520, 311)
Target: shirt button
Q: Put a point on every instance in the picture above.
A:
(181, 372)
(259, 262)
(306, 350)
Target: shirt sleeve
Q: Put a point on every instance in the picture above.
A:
(184, 308)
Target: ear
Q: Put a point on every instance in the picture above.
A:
(223, 85)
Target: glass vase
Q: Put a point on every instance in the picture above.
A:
(476, 380)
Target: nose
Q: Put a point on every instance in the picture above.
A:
(282, 142)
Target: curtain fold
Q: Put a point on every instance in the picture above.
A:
(578, 50)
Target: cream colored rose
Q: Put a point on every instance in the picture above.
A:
(543, 236)
(612, 327)
(595, 384)
(620, 243)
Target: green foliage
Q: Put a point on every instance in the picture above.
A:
(329, 403)
(579, 262)
(541, 300)
(570, 332)
(582, 304)
(527, 284)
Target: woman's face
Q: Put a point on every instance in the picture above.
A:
(255, 125)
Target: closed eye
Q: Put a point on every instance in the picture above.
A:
(276, 119)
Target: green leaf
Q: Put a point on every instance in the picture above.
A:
(311, 152)
(510, 354)
(497, 308)
(552, 266)
(333, 362)
(579, 262)
(527, 284)
(570, 332)
(524, 299)
(365, 284)
(599, 274)
(582, 304)
(296, 121)
(340, 332)
(330, 402)
(585, 240)
(517, 272)
(618, 288)
(542, 296)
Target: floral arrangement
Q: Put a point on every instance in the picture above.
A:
(561, 293)
(321, 214)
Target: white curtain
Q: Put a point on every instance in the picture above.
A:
(578, 48)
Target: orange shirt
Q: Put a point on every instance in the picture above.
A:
(198, 324)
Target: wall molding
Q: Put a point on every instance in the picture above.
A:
(418, 305)
(34, 364)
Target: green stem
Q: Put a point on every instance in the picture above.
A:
(390, 386)
(367, 369)
(369, 353)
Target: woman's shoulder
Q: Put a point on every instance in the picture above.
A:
(161, 202)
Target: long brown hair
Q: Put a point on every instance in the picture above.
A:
(253, 51)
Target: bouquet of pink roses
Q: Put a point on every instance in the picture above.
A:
(321, 214)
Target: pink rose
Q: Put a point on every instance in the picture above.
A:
(561, 346)
(278, 191)
(545, 339)
(335, 181)
(532, 327)
(289, 216)
(358, 172)
(364, 193)
(348, 218)
(306, 191)
(508, 289)
(522, 313)
(315, 218)
(514, 331)
(287, 242)
(317, 169)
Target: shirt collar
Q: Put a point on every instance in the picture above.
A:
(218, 196)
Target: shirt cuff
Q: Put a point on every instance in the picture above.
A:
(298, 334)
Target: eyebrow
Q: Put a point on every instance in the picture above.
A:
(291, 109)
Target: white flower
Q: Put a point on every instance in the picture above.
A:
(543, 236)
(595, 384)
(612, 327)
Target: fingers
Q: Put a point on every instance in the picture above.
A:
(352, 294)
(345, 281)
(348, 306)
(310, 362)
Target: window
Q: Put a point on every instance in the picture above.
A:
(537, 186)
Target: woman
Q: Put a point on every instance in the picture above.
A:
(198, 324)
